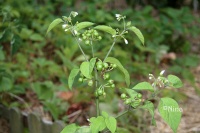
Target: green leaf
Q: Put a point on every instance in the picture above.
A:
(176, 82)
(106, 29)
(54, 23)
(83, 25)
(131, 93)
(104, 114)
(138, 33)
(143, 86)
(36, 37)
(70, 128)
(83, 129)
(92, 64)
(85, 69)
(150, 107)
(170, 112)
(74, 72)
(111, 124)
(121, 68)
(97, 124)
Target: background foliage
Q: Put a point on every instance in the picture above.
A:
(35, 66)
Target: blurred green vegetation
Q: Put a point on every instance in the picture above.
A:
(32, 60)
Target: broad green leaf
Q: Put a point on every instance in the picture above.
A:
(170, 112)
(83, 129)
(83, 25)
(131, 93)
(138, 33)
(104, 114)
(176, 82)
(97, 124)
(143, 86)
(121, 68)
(106, 29)
(111, 124)
(54, 23)
(92, 64)
(74, 72)
(70, 128)
(85, 69)
(150, 107)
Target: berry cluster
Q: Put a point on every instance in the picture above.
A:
(134, 102)
(82, 78)
(91, 35)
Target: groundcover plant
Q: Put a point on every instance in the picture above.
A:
(95, 71)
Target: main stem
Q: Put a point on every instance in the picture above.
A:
(96, 84)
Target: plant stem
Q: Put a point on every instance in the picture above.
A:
(96, 83)
(79, 46)
(110, 49)
(123, 113)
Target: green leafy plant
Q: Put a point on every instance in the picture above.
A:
(96, 73)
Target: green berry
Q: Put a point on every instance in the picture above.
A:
(99, 67)
(100, 92)
(113, 86)
(96, 94)
(105, 65)
(106, 76)
(110, 81)
(80, 79)
(99, 37)
(90, 83)
(114, 65)
(84, 37)
(123, 95)
(88, 35)
(87, 42)
(104, 94)
(127, 101)
(96, 34)
(139, 95)
(99, 63)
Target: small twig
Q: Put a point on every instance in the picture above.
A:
(20, 99)
(74, 114)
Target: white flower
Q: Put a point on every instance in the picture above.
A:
(66, 30)
(150, 77)
(64, 26)
(75, 32)
(125, 41)
(162, 72)
(79, 39)
(74, 14)
(117, 15)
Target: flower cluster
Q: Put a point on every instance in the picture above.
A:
(161, 81)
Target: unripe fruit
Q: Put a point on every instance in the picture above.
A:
(114, 65)
(111, 81)
(106, 76)
(99, 37)
(113, 86)
(87, 42)
(96, 94)
(88, 35)
(123, 95)
(104, 94)
(139, 95)
(90, 83)
(128, 101)
(105, 65)
(84, 37)
(96, 34)
(99, 67)
(100, 92)
(99, 63)
(80, 79)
